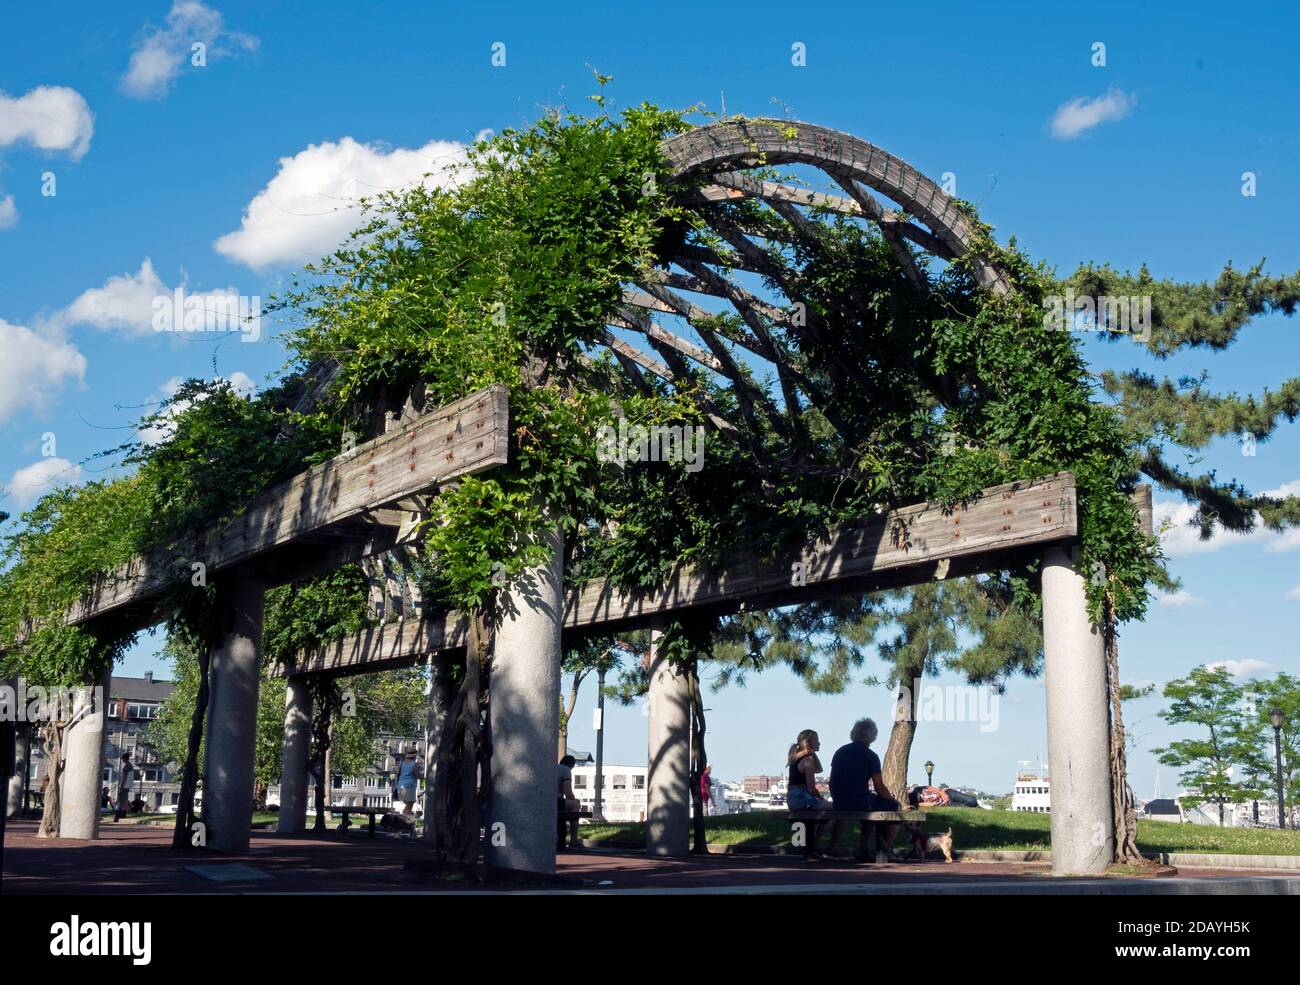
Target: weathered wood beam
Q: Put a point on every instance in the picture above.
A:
(1005, 525)
(915, 538)
(633, 360)
(773, 192)
(386, 647)
(657, 333)
(327, 502)
(702, 254)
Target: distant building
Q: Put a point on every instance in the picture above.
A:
(760, 784)
(133, 703)
(1032, 793)
(1163, 809)
(623, 793)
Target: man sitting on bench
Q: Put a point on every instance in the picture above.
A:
(852, 767)
(566, 802)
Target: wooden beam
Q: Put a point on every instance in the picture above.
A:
(637, 321)
(386, 647)
(927, 542)
(918, 537)
(327, 502)
(773, 192)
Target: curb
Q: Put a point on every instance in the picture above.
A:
(1194, 860)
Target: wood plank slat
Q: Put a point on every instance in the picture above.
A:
(913, 544)
(463, 438)
(1004, 517)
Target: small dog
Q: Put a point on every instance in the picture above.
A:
(922, 842)
(399, 824)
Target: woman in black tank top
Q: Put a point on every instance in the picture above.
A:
(803, 767)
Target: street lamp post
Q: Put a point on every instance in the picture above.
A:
(1275, 716)
(929, 772)
(597, 813)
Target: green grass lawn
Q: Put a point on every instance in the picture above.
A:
(974, 830)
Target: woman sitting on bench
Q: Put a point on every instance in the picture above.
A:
(804, 766)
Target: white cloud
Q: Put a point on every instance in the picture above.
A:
(1079, 115)
(124, 303)
(50, 118)
(8, 212)
(29, 484)
(243, 383)
(160, 54)
(127, 304)
(34, 367)
(1178, 599)
(1294, 593)
(1179, 539)
(310, 206)
(1239, 668)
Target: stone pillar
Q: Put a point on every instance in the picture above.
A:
(1078, 722)
(668, 785)
(524, 715)
(83, 762)
(293, 760)
(22, 766)
(232, 718)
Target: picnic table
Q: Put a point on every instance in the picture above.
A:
(868, 820)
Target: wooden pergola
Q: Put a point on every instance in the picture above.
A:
(368, 501)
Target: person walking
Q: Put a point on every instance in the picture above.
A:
(125, 781)
(408, 779)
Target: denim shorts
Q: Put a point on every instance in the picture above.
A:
(803, 799)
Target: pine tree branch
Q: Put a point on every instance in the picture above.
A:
(1184, 315)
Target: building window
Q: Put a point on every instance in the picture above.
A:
(580, 782)
(618, 782)
(638, 782)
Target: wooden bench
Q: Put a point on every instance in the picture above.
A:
(867, 818)
(570, 820)
(345, 811)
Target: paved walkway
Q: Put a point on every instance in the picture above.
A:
(138, 859)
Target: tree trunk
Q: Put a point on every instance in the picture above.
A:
(52, 735)
(190, 770)
(328, 763)
(322, 728)
(1124, 815)
(462, 778)
(566, 713)
(699, 760)
(893, 768)
(442, 698)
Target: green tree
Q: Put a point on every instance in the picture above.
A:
(1209, 700)
(595, 655)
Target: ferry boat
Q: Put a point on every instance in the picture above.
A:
(1033, 792)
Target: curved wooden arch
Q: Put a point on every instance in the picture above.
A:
(716, 160)
(751, 143)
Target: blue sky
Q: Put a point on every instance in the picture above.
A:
(226, 177)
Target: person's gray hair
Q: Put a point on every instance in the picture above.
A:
(864, 730)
